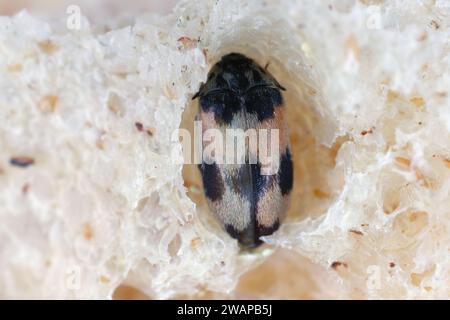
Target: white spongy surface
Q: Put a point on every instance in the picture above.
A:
(105, 203)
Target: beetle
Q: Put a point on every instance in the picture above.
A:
(240, 94)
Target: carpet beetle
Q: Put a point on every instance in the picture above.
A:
(240, 94)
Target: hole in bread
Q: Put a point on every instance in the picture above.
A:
(315, 186)
(316, 181)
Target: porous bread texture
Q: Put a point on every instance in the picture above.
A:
(105, 202)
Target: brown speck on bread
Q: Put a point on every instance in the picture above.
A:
(88, 232)
(48, 47)
(404, 162)
(359, 233)
(337, 264)
(188, 43)
(391, 264)
(104, 279)
(364, 132)
(418, 101)
(48, 104)
(150, 132)
(21, 161)
(139, 126)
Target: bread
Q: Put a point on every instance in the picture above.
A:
(94, 196)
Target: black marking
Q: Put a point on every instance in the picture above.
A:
(265, 231)
(237, 83)
(262, 100)
(260, 182)
(241, 182)
(232, 231)
(249, 183)
(223, 103)
(212, 181)
(286, 173)
(245, 237)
